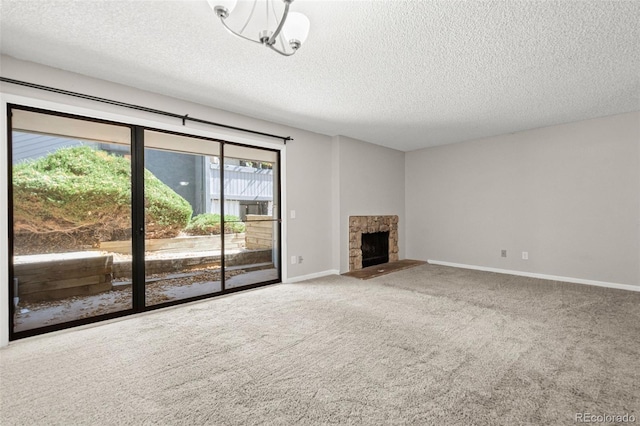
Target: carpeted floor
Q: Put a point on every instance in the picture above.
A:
(427, 345)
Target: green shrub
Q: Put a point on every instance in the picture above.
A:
(209, 223)
(86, 191)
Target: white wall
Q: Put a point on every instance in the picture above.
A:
(569, 195)
(306, 159)
(370, 182)
(309, 194)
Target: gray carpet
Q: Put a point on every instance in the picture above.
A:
(428, 345)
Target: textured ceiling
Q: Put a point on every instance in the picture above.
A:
(404, 74)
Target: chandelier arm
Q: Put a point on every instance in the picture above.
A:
(272, 40)
(282, 48)
(270, 46)
(237, 34)
(253, 8)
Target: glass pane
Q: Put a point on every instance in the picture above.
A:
(71, 183)
(182, 223)
(251, 216)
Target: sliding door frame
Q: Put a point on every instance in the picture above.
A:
(137, 148)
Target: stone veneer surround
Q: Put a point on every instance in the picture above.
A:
(359, 225)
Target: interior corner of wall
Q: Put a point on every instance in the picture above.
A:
(335, 202)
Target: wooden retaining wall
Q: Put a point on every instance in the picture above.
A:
(70, 274)
(177, 244)
(63, 275)
(159, 266)
(259, 234)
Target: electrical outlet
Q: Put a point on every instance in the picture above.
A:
(294, 260)
(504, 253)
(300, 259)
(292, 214)
(525, 255)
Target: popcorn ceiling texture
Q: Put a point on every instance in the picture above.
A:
(404, 74)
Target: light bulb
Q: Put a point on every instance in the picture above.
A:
(296, 27)
(227, 5)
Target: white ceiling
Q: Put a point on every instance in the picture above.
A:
(404, 74)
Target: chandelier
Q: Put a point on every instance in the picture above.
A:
(266, 22)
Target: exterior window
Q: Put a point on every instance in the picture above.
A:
(206, 215)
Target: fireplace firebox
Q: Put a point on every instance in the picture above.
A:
(375, 248)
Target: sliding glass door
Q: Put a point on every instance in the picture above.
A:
(252, 222)
(109, 219)
(71, 214)
(182, 226)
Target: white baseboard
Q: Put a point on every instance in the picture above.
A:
(540, 276)
(311, 276)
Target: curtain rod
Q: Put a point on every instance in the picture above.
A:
(184, 117)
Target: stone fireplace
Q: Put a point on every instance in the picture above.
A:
(359, 225)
